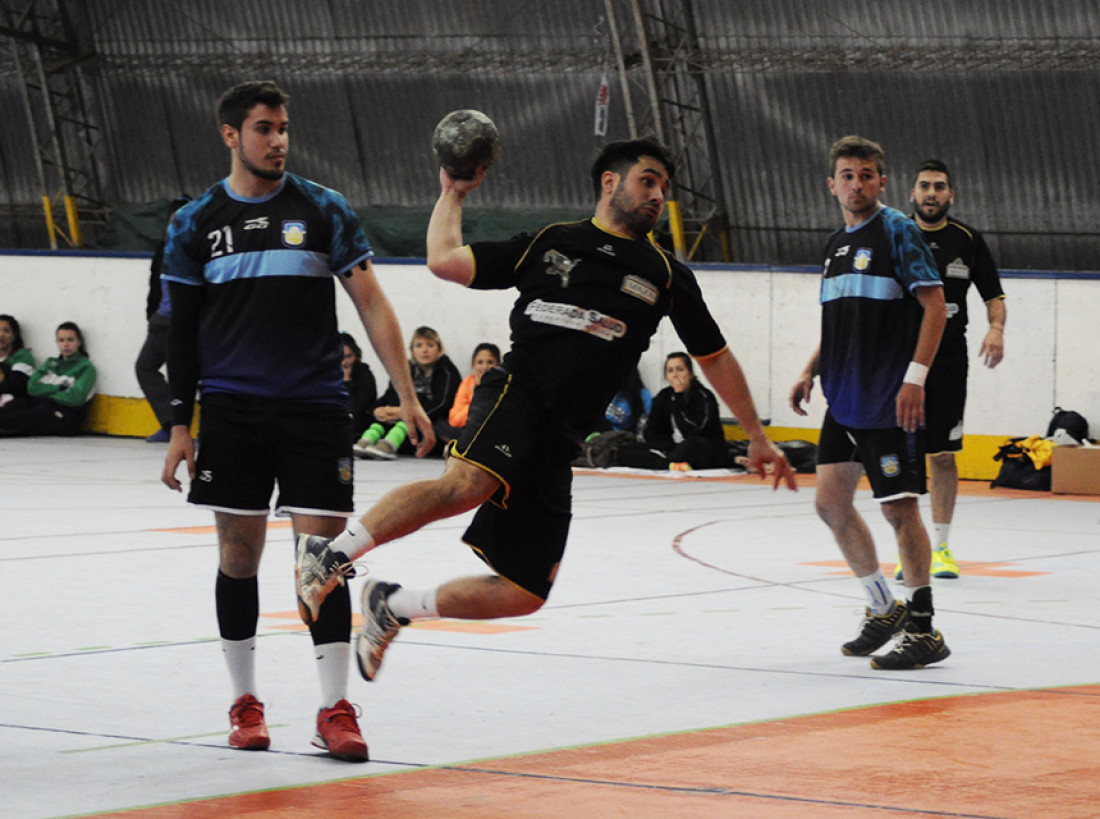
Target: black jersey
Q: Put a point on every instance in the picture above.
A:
(267, 325)
(962, 257)
(589, 302)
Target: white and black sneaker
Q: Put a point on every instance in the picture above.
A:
(317, 571)
(378, 628)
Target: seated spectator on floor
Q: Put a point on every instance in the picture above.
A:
(436, 380)
(59, 391)
(683, 430)
(16, 363)
(684, 424)
(360, 384)
(486, 356)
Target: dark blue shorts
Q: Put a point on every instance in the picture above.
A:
(892, 458)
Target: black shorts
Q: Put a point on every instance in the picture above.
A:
(521, 532)
(945, 401)
(248, 445)
(892, 458)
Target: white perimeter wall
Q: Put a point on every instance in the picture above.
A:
(770, 318)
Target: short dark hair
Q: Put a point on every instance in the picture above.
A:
(936, 165)
(683, 357)
(234, 105)
(487, 346)
(858, 147)
(622, 155)
(17, 333)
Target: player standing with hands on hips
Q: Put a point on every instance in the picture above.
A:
(250, 267)
(961, 257)
(881, 320)
(591, 295)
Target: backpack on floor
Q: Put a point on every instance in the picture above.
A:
(1018, 457)
(1070, 423)
(801, 454)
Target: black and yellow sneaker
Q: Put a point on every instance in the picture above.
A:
(876, 630)
(913, 650)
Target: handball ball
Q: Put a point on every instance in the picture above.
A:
(464, 141)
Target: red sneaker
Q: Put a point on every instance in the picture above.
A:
(248, 731)
(338, 733)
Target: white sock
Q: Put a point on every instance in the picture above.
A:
(355, 541)
(332, 666)
(240, 659)
(413, 604)
(878, 593)
(941, 534)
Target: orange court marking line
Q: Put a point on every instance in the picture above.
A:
(994, 754)
(211, 530)
(442, 624)
(972, 488)
(972, 568)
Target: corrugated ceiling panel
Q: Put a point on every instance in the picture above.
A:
(1000, 89)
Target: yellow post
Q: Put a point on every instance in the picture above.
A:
(51, 228)
(74, 222)
(676, 226)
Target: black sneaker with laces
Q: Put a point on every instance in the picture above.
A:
(913, 650)
(876, 630)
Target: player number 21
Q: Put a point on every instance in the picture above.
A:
(221, 241)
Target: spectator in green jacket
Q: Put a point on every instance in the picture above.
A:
(59, 391)
(16, 363)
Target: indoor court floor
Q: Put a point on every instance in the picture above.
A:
(687, 663)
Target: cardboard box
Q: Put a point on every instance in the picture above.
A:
(1075, 470)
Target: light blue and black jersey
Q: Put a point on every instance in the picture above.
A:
(870, 318)
(264, 293)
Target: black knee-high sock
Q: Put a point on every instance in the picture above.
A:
(238, 605)
(333, 623)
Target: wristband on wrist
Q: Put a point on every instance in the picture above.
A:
(915, 374)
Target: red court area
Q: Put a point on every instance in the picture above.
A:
(986, 755)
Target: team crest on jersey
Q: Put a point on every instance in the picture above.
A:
(890, 465)
(294, 233)
(560, 265)
(862, 260)
(639, 288)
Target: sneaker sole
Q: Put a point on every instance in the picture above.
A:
(254, 745)
(938, 658)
